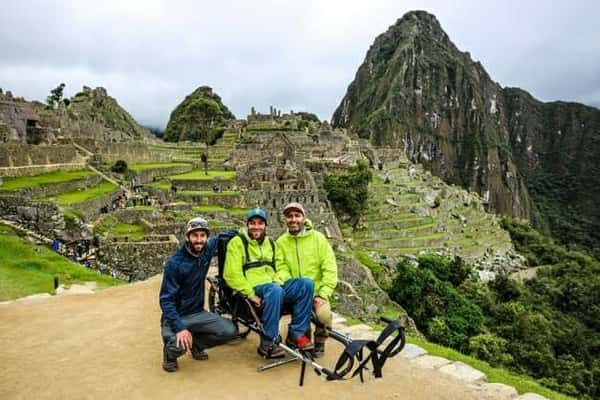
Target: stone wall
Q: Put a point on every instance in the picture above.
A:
(42, 217)
(209, 184)
(130, 152)
(31, 170)
(220, 199)
(90, 209)
(150, 175)
(63, 187)
(137, 260)
(16, 155)
(15, 114)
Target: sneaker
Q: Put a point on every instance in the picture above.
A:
(169, 364)
(319, 349)
(199, 355)
(301, 343)
(270, 351)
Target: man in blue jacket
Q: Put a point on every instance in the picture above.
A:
(185, 324)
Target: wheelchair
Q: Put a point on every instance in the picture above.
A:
(358, 356)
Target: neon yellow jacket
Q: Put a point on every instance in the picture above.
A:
(309, 255)
(236, 258)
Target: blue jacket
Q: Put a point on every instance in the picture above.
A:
(182, 289)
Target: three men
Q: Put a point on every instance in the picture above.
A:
(251, 269)
(185, 324)
(307, 253)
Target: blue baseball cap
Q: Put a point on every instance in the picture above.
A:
(256, 212)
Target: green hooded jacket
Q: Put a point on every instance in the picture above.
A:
(309, 255)
(236, 258)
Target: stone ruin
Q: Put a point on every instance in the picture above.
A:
(273, 174)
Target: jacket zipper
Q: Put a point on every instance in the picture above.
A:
(298, 259)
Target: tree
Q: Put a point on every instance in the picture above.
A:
(349, 192)
(203, 115)
(55, 97)
(119, 167)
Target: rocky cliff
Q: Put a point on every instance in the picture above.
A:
(417, 92)
(90, 114)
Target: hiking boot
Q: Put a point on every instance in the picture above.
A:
(301, 343)
(199, 355)
(319, 350)
(270, 351)
(169, 364)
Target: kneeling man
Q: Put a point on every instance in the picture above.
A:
(185, 323)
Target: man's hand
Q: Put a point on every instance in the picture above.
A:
(318, 302)
(256, 300)
(184, 339)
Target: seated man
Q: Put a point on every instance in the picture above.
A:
(185, 323)
(250, 270)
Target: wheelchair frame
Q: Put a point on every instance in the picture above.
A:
(223, 300)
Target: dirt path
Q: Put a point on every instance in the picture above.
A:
(107, 345)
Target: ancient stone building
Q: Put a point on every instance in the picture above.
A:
(273, 173)
(18, 121)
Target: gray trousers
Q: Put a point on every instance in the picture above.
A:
(207, 329)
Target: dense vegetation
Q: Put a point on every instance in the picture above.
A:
(547, 327)
(349, 192)
(199, 118)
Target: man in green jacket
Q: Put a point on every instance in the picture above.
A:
(307, 253)
(250, 269)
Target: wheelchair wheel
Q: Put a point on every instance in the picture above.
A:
(212, 299)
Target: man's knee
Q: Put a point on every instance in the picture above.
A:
(273, 291)
(229, 330)
(307, 284)
(323, 313)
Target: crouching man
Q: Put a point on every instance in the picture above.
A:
(185, 324)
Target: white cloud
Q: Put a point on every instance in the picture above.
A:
(150, 54)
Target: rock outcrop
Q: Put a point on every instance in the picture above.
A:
(417, 92)
(197, 117)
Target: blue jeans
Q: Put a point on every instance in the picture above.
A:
(207, 329)
(296, 292)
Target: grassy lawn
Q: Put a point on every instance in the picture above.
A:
(79, 196)
(162, 185)
(142, 208)
(28, 269)
(111, 225)
(208, 209)
(24, 182)
(144, 167)
(198, 174)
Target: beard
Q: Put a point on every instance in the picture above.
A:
(257, 235)
(196, 246)
(294, 228)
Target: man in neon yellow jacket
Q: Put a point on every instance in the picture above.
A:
(307, 253)
(250, 269)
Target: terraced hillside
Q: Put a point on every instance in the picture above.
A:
(410, 212)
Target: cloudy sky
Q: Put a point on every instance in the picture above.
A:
(295, 55)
